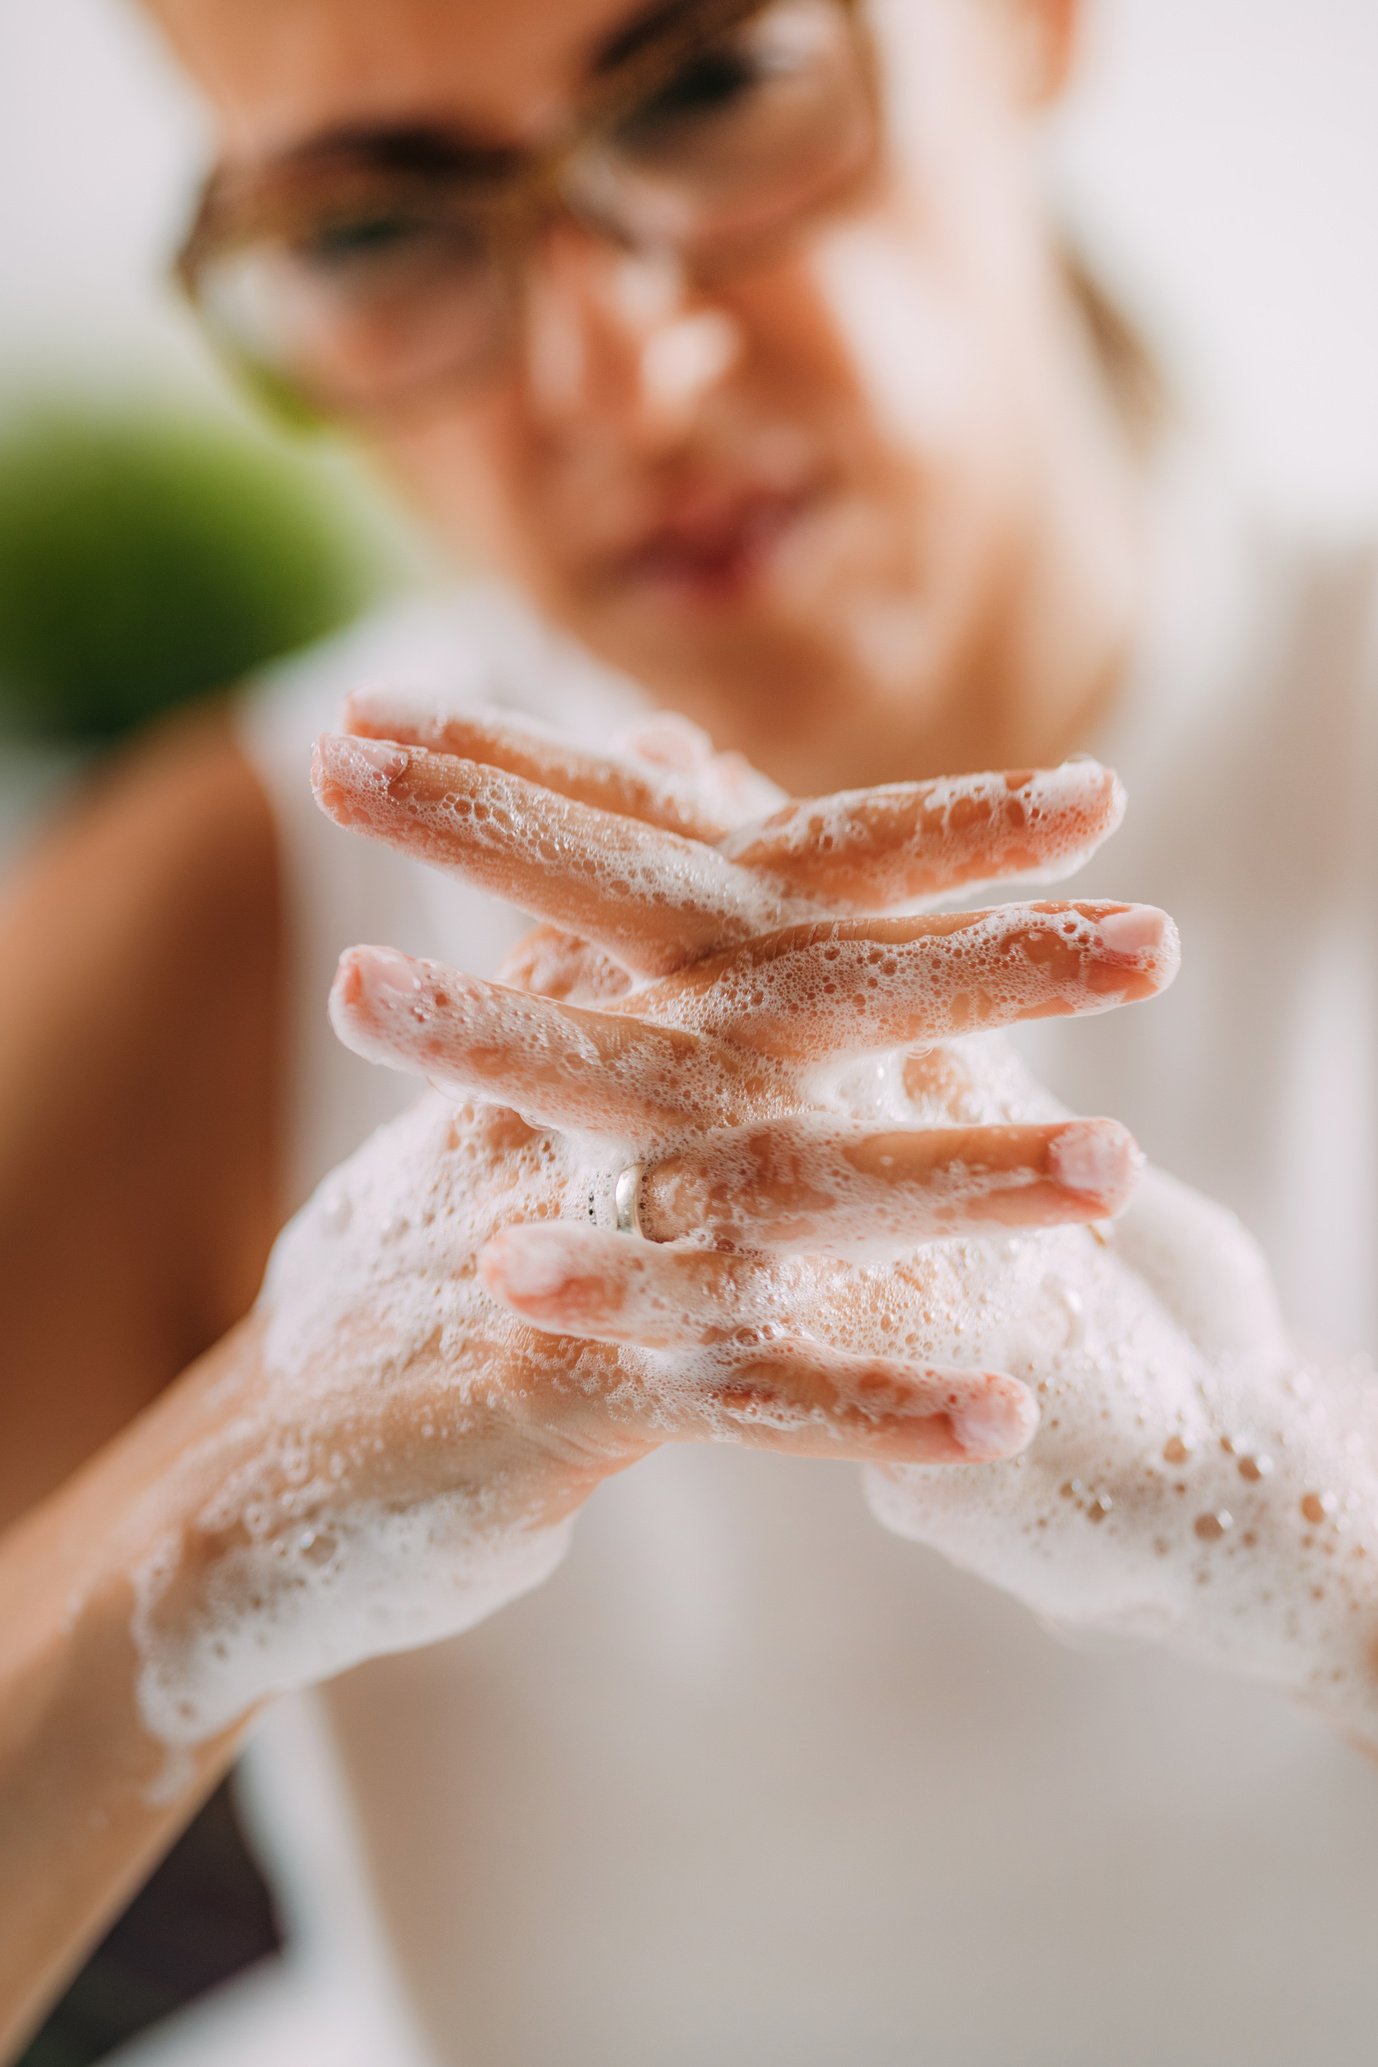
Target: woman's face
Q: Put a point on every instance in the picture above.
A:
(814, 479)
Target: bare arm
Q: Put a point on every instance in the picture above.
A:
(88, 1799)
(139, 950)
(138, 1032)
(280, 1514)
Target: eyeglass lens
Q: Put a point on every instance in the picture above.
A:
(401, 288)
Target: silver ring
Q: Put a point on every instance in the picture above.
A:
(626, 1199)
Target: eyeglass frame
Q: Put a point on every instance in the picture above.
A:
(524, 195)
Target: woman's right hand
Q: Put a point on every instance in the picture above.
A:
(415, 1447)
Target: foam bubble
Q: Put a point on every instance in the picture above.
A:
(406, 1462)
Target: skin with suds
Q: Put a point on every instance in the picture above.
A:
(864, 1242)
(951, 576)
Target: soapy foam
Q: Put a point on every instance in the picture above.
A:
(371, 1496)
(573, 1068)
(1190, 1478)
(816, 1187)
(551, 854)
(902, 844)
(1189, 1475)
(840, 990)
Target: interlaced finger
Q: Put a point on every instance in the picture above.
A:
(759, 1384)
(815, 991)
(871, 849)
(559, 1065)
(653, 898)
(806, 1185)
(628, 787)
(859, 850)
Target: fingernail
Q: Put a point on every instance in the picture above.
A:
(668, 741)
(385, 974)
(1098, 1158)
(1140, 929)
(362, 763)
(998, 1421)
(527, 1264)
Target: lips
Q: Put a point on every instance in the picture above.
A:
(710, 549)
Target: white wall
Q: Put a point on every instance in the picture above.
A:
(1227, 148)
(97, 146)
(1230, 149)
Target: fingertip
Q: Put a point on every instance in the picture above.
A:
(997, 1420)
(492, 1262)
(381, 974)
(1169, 952)
(348, 986)
(1101, 787)
(1141, 937)
(529, 1267)
(1098, 1161)
(1133, 929)
(667, 741)
(344, 765)
(322, 769)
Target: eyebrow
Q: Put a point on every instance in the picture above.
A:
(647, 27)
(421, 147)
(405, 147)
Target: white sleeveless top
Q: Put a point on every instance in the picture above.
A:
(749, 1781)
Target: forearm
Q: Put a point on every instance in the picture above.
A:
(88, 1796)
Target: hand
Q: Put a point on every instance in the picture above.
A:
(419, 1444)
(1191, 1478)
(414, 1447)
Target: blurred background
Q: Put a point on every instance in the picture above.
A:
(1219, 159)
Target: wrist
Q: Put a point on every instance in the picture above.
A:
(276, 1552)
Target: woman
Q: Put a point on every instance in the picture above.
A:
(738, 339)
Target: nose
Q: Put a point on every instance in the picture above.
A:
(620, 340)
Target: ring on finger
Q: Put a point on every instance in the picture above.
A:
(626, 1200)
(615, 1200)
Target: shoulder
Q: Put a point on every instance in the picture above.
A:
(143, 929)
(170, 831)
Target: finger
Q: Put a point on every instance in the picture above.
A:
(768, 1386)
(858, 850)
(558, 1065)
(864, 850)
(811, 1401)
(813, 991)
(666, 739)
(729, 789)
(611, 1288)
(560, 965)
(795, 1184)
(662, 795)
(652, 897)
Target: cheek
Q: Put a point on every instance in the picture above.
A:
(938, 284)
(913, 360)
(473, 474)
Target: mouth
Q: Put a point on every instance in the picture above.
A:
(712, 551)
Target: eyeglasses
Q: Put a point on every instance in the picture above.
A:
(367, 273)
